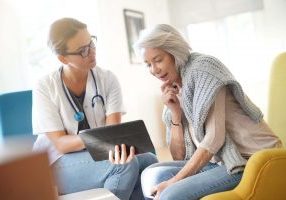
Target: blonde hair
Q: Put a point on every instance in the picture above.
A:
(167, 38)
(61, 31)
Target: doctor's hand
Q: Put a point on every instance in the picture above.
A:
(120, 156)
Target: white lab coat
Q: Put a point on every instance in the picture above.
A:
(53, 112)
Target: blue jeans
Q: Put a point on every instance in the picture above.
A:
(210, 179)
(77, 171)
(144, 161)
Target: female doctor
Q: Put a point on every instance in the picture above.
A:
(77, 96)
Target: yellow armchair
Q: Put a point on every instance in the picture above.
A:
(277, 97)
(264, 177)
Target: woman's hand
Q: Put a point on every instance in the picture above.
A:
(170, 99)
(157, 190)
(121, 157)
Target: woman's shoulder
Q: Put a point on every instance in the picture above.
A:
(199, 61)
(203, 66)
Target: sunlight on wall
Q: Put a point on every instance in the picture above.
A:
(233, 40)
(33, 19)
(242, 47)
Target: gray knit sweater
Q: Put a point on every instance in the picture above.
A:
(202, 77)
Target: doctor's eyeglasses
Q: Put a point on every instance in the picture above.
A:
(84, 50)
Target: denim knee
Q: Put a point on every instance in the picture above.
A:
(171, 195)
(151, 158)
(131, 167)
(121, 179)
(149, 178)
(146, 160)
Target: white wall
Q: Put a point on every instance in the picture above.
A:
(271, 33)
(11, 72)
(105, 19)
(30, 19)
(141, 90)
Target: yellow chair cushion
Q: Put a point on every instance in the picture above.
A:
(264, 178)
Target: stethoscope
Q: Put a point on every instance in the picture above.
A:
(79, 116)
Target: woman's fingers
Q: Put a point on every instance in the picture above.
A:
(123, 154)
(170, 97)
(117, 154)
(120, 156)
(132, 151)
(131, 154)
(111, 159)
(170, 86)
(155, 192)
(154, 189)
(157, 196)
(164, 85)
(172, 89)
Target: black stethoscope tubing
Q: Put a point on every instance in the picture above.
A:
(79, 116)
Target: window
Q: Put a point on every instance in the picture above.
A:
(26, 26)
(239, 42)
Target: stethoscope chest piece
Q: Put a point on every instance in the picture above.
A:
(78, 116)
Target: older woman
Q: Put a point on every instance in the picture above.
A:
(212, 126)
(77, 96)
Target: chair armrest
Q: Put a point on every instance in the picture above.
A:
(263, 178)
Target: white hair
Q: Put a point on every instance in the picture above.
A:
(166, 38)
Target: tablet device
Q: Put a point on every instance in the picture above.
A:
(98, 141)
